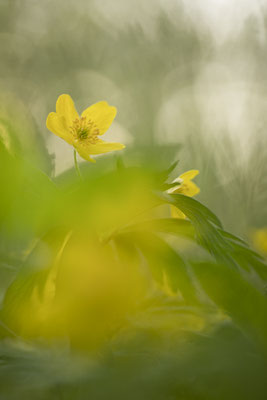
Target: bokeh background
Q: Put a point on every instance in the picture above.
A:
(187, 318)
(185, 75)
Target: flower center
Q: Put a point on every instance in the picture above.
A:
(84, 128)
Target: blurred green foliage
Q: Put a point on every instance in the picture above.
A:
(117, 306)
(162, 61)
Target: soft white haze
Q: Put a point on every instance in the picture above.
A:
(223, 17)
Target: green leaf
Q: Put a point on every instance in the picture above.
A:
(33, 273)
(180, 227)
(163, 259)
(231, 292)
(224, 246)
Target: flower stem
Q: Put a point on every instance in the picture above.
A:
(76, 165)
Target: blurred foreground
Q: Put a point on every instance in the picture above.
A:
(105, 294)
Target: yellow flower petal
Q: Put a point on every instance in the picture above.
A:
(187, 188)
(57, 124)
(176, 213)
(85, 148)
(102, 114)
(188, 175)
(84, 153)
(65, 107)
(259, 239)
(104, 147)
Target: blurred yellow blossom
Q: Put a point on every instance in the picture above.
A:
(184, 186)
(85, 294)
(259, 240)
(82, 131)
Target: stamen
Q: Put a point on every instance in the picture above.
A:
(83, 128)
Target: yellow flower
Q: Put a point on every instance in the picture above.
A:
(82, 131)
(184, 186)
(259, 240)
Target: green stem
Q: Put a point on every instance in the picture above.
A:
(76, 165)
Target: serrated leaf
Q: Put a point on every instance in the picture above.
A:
(192, 208)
